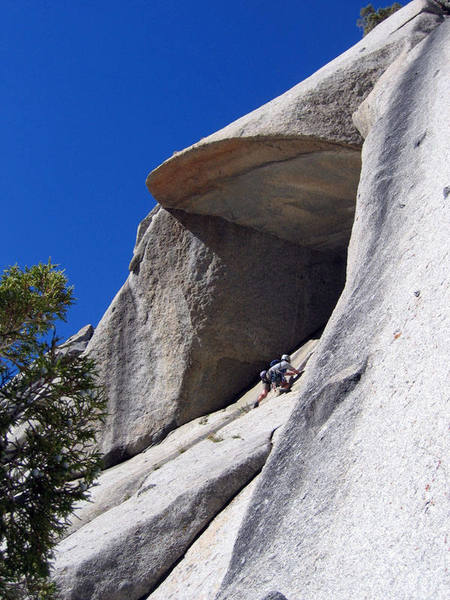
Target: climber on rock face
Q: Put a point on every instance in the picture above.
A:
(278, 372)
(275, 377)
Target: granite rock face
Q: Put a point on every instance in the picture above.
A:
(124, 552)
(118, 483)
(352, 502)
(292, 166)
(206, 305)
(78, 342)
(351, 499)
(248, 259)
(199, 575)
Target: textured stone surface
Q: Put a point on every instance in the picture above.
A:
(78, 342)
(299, 190)
(118, 483)
(207, 301)
(206, 305)
(292, 166)
(199, 575)
(352, 503)
(124, 552)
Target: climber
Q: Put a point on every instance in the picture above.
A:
(275, 377)
(277, 374)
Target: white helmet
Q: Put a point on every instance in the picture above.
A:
(286, 357)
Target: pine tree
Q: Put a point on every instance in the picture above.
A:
(50, 408)
(445, 5)
(370, 18)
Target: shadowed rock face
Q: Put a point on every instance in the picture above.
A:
(292, 167)
(206, 305)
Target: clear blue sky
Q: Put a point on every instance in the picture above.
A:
(95, 94)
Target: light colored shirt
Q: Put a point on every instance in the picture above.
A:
(281, 367)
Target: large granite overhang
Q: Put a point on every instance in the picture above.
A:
(291, 167)
(301, 189)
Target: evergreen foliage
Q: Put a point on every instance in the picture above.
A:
(50, 407)
(444, 4)
(370, 18)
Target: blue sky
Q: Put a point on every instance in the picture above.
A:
(95, 94)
